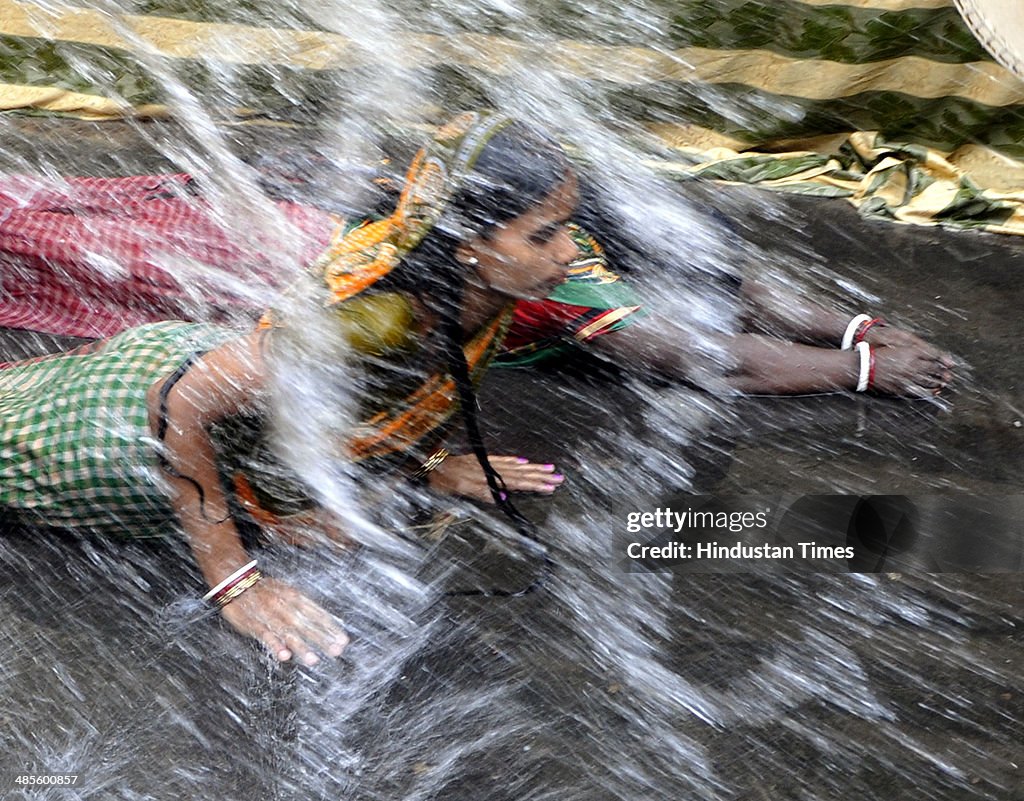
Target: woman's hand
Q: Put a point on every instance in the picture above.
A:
(286, 622)
(912, 370)
(885, 335)
(907, 365)
(462, 475)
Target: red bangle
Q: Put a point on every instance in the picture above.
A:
(234, 585)
(863, 328)
(871, 371)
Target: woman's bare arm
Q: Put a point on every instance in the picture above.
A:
(781, 312)
(226, 381)
(752, 363)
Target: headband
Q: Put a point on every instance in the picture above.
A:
(359, 257)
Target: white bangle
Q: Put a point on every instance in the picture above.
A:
(229, 579)
(864, 349)
(851, 330)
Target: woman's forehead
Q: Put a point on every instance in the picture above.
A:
(563, 199)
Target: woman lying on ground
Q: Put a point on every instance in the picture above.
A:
(52, 232)
(165, 420)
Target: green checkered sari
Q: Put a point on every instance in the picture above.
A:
(75, 444)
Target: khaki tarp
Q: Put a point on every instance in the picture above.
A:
(892, 104)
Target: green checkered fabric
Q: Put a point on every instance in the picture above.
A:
(76, 449)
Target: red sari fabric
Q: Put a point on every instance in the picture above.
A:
(90, 257)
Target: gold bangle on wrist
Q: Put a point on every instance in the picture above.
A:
(243, 585)
(432, 463)
(234, 585)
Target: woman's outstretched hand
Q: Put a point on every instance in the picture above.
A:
(286, 622)
(916, 370)
(462, 475)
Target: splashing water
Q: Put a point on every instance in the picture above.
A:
(607, 683)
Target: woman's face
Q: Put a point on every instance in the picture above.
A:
(528, 256)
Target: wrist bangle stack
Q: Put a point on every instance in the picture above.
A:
(862, 330)
(851, 330)
(858, 328)
(432, 463)
(866, 378)
(234, 585)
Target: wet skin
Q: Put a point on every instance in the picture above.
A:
(524, 258)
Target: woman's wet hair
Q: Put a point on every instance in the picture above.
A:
(516, 171)
(518, 168)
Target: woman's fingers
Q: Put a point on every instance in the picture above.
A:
(462, 475)
(302, 651)
(326, 635)
(288, 623)
(317, 629)
(302, 639)
(534, 483)
(520, 463)
(522, 475)
(275, 645)
(937, 371)
(893, 336)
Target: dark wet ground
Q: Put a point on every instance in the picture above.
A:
(894, 686)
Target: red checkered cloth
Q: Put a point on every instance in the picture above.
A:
(90, 257)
